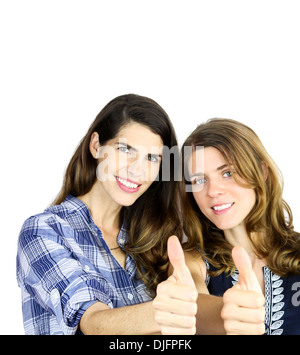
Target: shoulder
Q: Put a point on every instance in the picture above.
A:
(64, 213)
(36, 232)
(53, 223)
(34, 224)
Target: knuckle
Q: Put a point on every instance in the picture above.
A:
(228, 326)
(260, 300)
(161, 288)
(159, 303)
(225, 312)
(190, 322)
(155, 303)
(193, 309)
(165, 331)
(260, 316)
(260, 329)
(158, 317)
(227, 297)
(194, 295)
(191, 331)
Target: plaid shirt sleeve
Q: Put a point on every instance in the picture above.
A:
(53, 279)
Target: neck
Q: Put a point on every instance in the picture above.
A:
(104, 214)
(238, 236)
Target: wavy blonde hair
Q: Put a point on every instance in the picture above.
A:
(270, 219)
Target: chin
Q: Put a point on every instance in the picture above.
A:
(127, 204)
(224, 226)
(127, 201)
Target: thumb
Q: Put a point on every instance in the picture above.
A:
(247, 277)
(176, 257)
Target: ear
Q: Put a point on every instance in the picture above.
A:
(265, 169)
(94, 145)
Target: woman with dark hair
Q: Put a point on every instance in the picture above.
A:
(236, 201)
(91, 262)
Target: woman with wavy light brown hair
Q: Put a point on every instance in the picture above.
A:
(232, 196)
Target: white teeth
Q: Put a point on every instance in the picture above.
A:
(222, 207)
(127, 183)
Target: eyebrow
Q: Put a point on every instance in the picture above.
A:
(222, 167)
(218, 169)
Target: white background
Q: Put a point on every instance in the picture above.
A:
(61, 61)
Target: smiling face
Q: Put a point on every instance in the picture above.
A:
(128, 164)
(220, 198)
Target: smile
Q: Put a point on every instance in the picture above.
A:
(219, 209)
(127, 185)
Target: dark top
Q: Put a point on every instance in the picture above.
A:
(282, 299)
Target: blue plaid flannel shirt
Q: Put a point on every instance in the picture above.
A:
(64, 266)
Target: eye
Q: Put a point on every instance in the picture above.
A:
(123, 149)
(228, 174)
(152, 158)
(199, 181)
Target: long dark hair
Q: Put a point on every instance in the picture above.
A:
(154, 216)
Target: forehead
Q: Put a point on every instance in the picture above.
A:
(138, 135)
(204, 160)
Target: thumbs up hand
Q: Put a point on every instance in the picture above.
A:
(247, 278)
(181, 272)
(243, 311)
(176, 302)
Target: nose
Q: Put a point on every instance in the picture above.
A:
(135, 168)
(215, 188)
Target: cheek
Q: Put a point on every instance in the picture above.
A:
(250, 199)
(110, 163)
(244, 194)
(151, 172)
(121, 162)
(199, 200)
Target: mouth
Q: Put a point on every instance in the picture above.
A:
(220, 209)
(127, 185)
